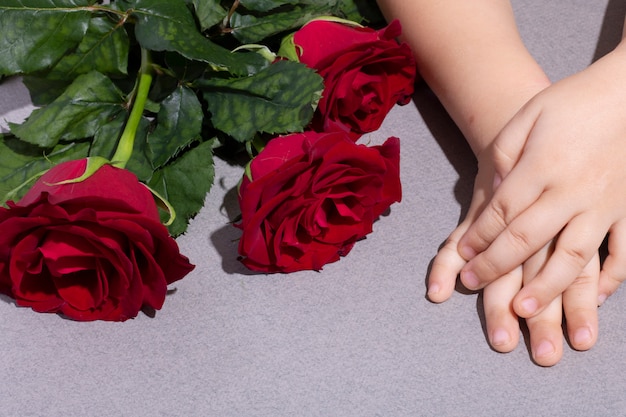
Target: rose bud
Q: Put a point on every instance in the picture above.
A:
(366, 72)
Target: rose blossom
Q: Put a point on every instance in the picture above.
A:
(308, 197)
(88, 250)
(366, 72)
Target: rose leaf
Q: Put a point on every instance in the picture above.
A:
(179, 122)
(43, 91)
(209, 13)
(170, 26)
(105, 140)
(37, 33)
(248, 28)
(104, 49)
(76, 114)
(139, 162)
(21, 161)
(278, 99)
(185, 184)
(270, 5)
(265, 18)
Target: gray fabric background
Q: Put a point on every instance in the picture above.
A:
(357, 339)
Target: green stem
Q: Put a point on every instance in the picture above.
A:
(127, 140)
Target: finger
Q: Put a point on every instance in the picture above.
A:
(502, 323)
(614, 268)
(581, 308)
(515, 195)
(448, 263)
(528, 233)
(546, 334)
(444, 272)
(507, 148)
(575, 247)
(511, 198)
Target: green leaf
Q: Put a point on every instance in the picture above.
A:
(363, 11)
(209, 13)
(21, 162)
(139, 162)
(104, 49)
(288, 48)
(279, 99)
(270, 5)
(185, 184)
(248, 28)
(183, 68)
(37, 33)
(168, 25)
(105, 140)
(251, 28)
(44, 91)
(78, 113)
(179, 123)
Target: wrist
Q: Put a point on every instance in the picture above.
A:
(482, 129)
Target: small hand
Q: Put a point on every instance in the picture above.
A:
(564, 177)
(578, 303)
(546, 334)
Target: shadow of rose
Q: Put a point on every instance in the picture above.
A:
(225, 238)
(9, 300)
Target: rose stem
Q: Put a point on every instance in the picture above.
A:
(127, 140)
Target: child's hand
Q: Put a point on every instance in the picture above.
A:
(563, 163)
(578, 303)
(546, 335)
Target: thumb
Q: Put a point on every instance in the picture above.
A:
(507, 148)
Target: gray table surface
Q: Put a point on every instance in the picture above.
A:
(357, 339)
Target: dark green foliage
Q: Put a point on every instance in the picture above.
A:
(80, 59)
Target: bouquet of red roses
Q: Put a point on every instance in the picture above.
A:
(134, 99)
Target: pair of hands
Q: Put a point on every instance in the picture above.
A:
(548, 190)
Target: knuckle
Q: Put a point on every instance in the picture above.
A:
(546, 291)
(490, 226)
(549, 290)
(577, 312)
(490, 269)
(449, 244)
(501, 155)
(519, 239)
(616, 268)
(584, 281)
(618, 279)
(613, 280)
(444, 256)
(499, 213)
(575, 256)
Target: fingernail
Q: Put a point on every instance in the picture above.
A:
(466, 252)
(545, 348)
(602, 298)
(433, 289)
(500, 337)
(470, 280)
(529, 305)
(497, 180)
(582, 336)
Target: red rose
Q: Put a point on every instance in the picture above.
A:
(310, 196)
(89, 250)
(366, 72)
